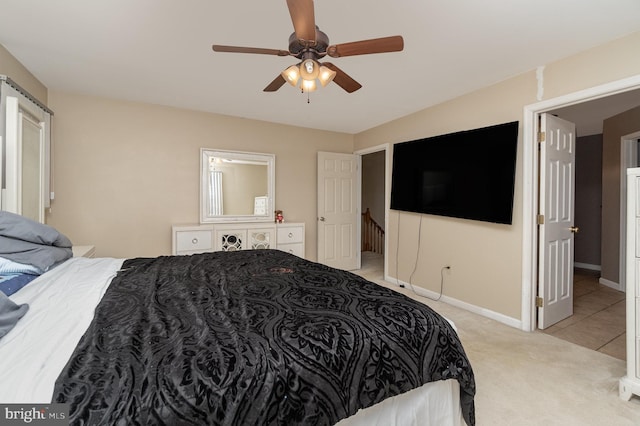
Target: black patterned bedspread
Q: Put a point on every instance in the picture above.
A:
(252, 338)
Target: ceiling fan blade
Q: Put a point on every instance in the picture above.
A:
(303, 18)
(365, 47)
(237, 49)
(342, 79)
(275, 84)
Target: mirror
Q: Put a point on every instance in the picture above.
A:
(236, 186)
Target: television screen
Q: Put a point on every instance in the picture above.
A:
(468, 174)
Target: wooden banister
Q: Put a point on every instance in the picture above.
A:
(372, 234)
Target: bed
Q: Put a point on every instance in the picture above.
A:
(248, 337)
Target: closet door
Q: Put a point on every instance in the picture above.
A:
(26, 190)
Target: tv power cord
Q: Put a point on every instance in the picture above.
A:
(415, 266)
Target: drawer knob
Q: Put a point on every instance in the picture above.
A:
(290, 234)
(194, 241)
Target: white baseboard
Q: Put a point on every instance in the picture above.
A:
(496, 316)
(608, 283)
(587, 266)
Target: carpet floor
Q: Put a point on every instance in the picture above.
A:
(532, 378)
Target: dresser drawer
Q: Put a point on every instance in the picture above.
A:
(637, 228)
(294, 248)
(290, 238)
(290, 234)
(636, 189)
(633, 275)
(193, 241)
(637, 322)
(637, 363)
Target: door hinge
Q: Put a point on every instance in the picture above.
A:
(540, 219)
(541, 137)
(539, 302)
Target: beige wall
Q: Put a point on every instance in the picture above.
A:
(613, 129)
(373, 185)
(125, 172)
(588, 201)
(13, 69)
(486, 259)
(483, 257)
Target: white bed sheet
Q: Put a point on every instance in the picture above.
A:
(432, 404)
(61, 307)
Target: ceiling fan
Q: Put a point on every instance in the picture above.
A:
(309, 45)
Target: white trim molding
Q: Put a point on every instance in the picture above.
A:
(587, 266)
(611, 284)
(487, 313)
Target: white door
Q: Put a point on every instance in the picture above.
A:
(338, 210)
(556, 223)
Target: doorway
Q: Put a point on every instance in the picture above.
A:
(374, 208)
(530, 175)
(595, 318)
(598, 321)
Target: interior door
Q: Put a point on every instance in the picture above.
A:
(338, 210)
(556, 220)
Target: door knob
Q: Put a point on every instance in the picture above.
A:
(574, 229)
(321, 219)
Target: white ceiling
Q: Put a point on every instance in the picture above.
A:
(159, 51)
(589, 116)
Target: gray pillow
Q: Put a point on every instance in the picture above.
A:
(21, 228)
(29, 242)
(10, 313)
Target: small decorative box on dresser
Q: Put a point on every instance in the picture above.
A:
(192, 239)
(83, 251)
(630, 384)
(290, 238)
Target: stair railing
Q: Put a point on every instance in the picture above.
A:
(372, 234)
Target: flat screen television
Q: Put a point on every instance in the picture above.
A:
(468, 174)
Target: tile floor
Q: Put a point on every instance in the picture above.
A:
(598, 321)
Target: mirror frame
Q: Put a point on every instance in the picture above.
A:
(269, 159)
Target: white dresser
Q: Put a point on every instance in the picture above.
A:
(192, 239)
(630, 384)
(290, 238)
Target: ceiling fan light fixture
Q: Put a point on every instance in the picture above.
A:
(291, 75)
(309, 85)
(309, 69)
(326, 75)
